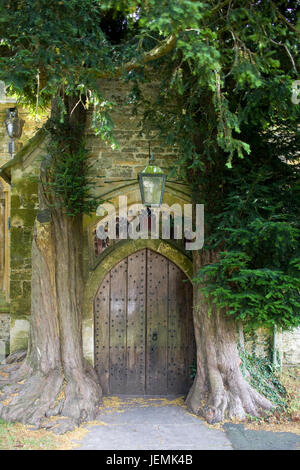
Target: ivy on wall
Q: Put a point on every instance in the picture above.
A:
(69, 169)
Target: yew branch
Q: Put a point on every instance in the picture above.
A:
(159, 51)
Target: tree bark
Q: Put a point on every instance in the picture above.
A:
(219, 390)
(54, 379)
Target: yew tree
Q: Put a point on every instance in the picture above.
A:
(224, 72)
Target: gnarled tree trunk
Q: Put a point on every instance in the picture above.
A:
(54, 379)
(219, 390)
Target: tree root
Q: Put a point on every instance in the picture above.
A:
(220, 391)
(234, 401)
(17, 356)
(39, 398)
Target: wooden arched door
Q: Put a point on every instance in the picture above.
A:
(144, 336)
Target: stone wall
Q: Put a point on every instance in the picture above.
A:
(4, 334)
(112, 167)
(288, 345)
(24, 203)
(259, 342)
(15, 303)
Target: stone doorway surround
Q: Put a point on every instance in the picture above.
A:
(121, 251)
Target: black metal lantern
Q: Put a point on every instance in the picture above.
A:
(152, 182)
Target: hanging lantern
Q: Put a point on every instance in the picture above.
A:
(152, 182)
(14, 126)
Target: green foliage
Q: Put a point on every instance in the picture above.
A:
(228, 85)
(49, 46)
(102, 123)
(257, 275)
(264, 378)
(69, 170)
(193, 368)
(234, 68)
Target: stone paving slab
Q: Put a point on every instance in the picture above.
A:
(161, 424)
(151, 425)
(139, 437)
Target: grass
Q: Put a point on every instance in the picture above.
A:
(290, 378)
(16, 436)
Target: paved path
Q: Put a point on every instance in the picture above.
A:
(162, 424)
(247, 439)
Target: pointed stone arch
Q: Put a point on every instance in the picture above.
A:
(121, 251)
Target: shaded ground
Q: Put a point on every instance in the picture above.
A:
(246, 439)
(162, 424)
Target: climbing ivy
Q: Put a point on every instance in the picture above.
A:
(69, 170)
(263, 376)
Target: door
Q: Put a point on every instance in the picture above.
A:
(144, 337)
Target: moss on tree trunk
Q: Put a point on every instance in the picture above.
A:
(54, 379)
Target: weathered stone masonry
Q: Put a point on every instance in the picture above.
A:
(18, 239)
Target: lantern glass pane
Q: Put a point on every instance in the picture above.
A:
(152, 189)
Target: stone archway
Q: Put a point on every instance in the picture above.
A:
(121, 251)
